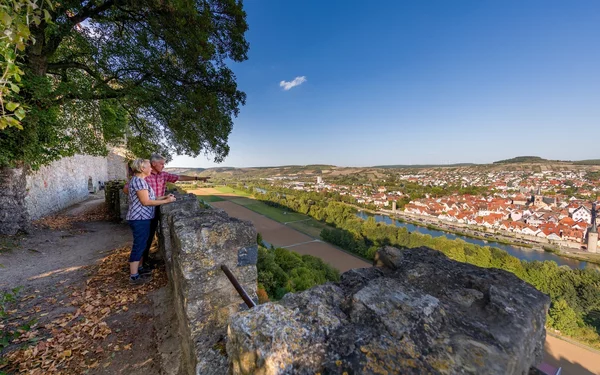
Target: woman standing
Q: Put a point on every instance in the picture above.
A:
(142, 201)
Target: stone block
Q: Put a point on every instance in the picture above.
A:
(419, 312)
(14, 216)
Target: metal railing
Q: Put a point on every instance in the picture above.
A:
(239, 288)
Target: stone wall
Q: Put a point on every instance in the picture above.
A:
(63, 183)
(116, 200)
(13, 210)
(116, 165)
(28, 195)
(417, 312)
(195, 242)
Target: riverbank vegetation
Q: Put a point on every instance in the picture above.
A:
(575, 293)
(281, 271)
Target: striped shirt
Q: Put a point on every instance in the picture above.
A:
(137, 211)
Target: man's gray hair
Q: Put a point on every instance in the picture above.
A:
(156, 157)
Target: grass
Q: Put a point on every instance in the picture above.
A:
(8, 243)
(210, 198)
(228, 190)
(244, 201)
(310, 227)
(277, 214)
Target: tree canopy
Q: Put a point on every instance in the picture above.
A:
(95, 72)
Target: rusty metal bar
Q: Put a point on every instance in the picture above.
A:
(238, 287)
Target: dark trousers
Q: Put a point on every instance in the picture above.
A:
(153, 226)
(141, 230)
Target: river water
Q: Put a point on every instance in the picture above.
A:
(518, 252)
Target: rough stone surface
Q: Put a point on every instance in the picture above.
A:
(116, 164)
(29, 195)
(116, 199)
(13, 209)
(195, 243)
(416, 313)
(63, 183)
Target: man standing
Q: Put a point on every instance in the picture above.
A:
(158, 182)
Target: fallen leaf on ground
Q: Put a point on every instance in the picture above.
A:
(68, 339)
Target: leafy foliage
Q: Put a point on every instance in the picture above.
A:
(16, 16)
(281, 271)
(151, 71)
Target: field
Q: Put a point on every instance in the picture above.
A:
(275, 213)
(243, 201)
(228, 190)
(278, 234)
(299, 222)
(311, 227)
(210, 198)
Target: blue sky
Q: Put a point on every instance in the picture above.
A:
(415, 82)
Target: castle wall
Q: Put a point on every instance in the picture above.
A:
(116, 168)
(13, 213)
(63, 183)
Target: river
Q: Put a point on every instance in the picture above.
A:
(518, 252)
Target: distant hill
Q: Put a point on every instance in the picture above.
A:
(587, 162)
(537, 159)
(254, 172)
(521, 163)
(186, 171)
(523, 159)
(421, 166)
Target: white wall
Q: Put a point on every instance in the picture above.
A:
(116, 166)
(63, 183)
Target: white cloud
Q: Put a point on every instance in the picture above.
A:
(295, 82)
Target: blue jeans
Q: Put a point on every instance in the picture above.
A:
(141, 233)
(153, 225)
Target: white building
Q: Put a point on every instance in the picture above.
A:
(582, 214)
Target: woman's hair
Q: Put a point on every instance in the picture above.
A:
(138, 164)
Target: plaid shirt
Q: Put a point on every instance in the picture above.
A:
(158, 181)
(137, 211)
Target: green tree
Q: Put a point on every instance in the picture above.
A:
(16, 16)
(563, 317)
(152, 70)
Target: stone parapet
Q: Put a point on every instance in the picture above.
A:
(195, 242)
(416, 312)
(116, 199)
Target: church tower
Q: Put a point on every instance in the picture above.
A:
(592, 244)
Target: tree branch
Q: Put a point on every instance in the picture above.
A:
(74, 65)
(90, 11)
(114, 94)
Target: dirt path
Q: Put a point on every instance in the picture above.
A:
(75, 311)
(573, 359)
(59, 245)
